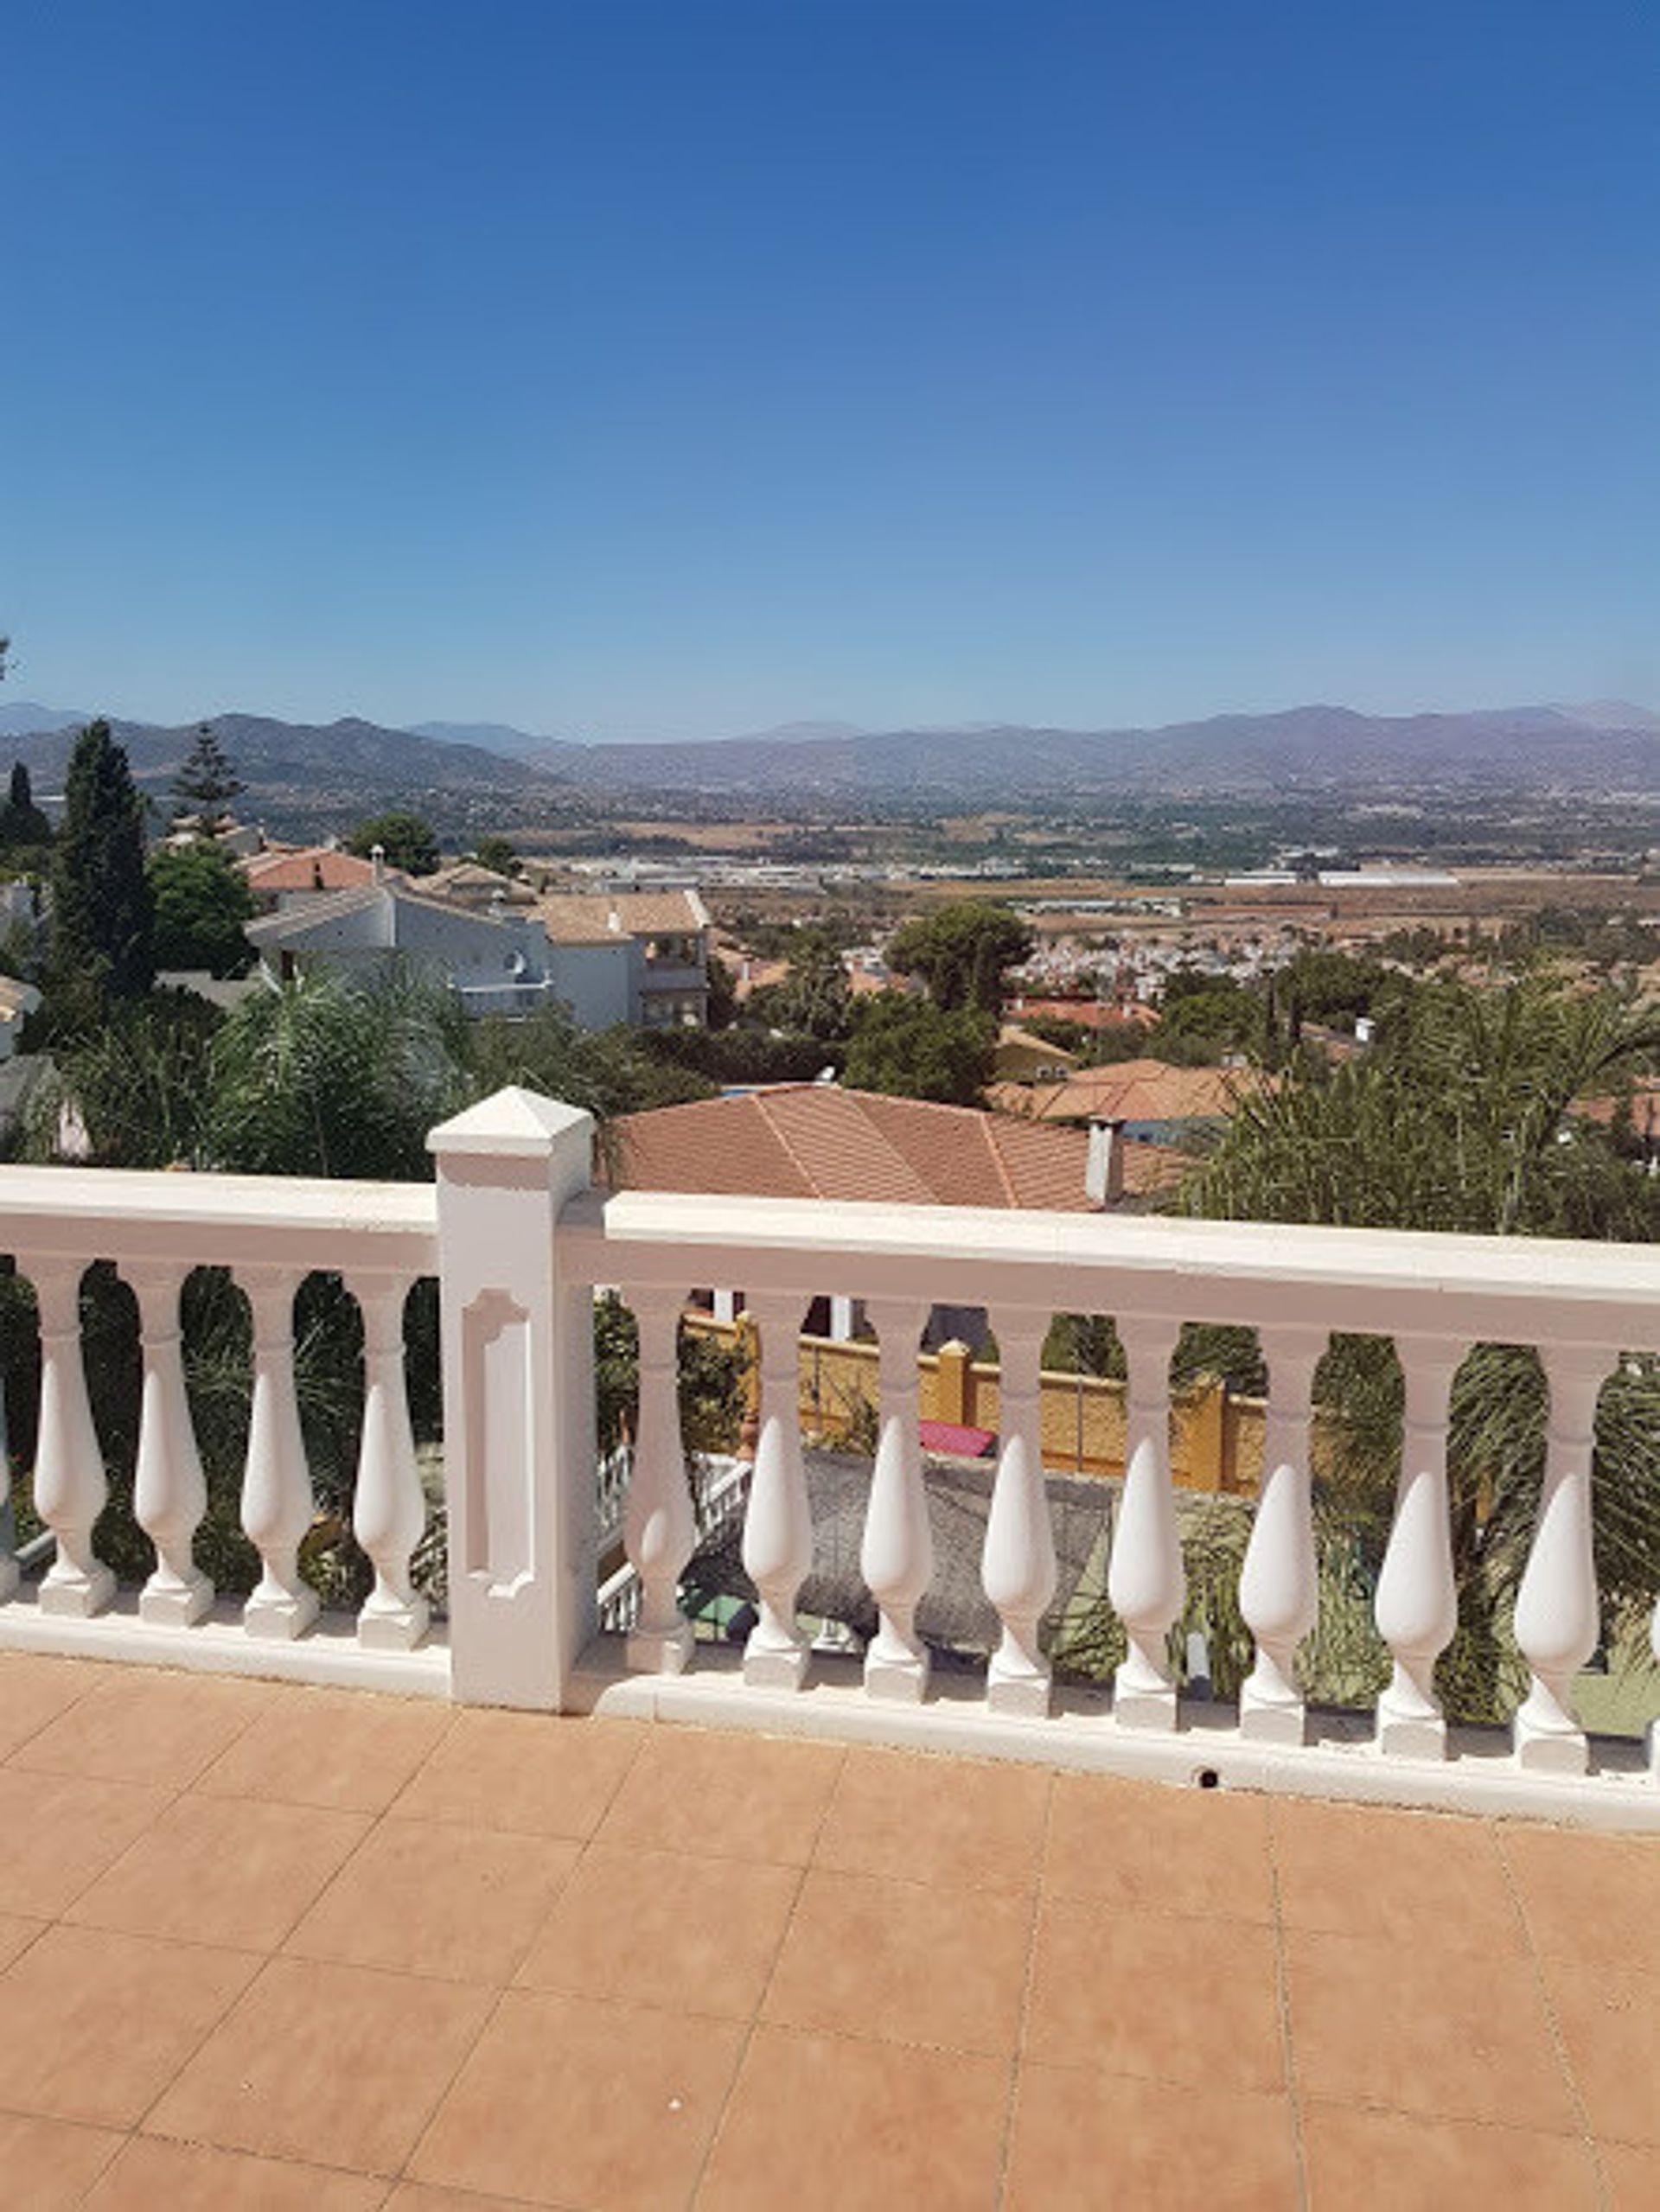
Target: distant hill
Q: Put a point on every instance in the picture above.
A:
(494, 737)
(22, 718)
(306, 776)
(1610, 746)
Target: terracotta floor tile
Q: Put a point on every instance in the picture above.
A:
(1632, 2170)
(568, 2102)
(60, 1833)
(1417, 2028)
(34, 1690)
(540, 1774)
(423, 2196)
(1588, 1896)
(1610, 2019)
(153, 2176)
(937, 1820)
(1145, 1847)
(732, 1796)
(1401, 2162)
(94, 2026)
(906, 1963)
(877, 2124)
(222, 1870)
(1163, 1997)
(148, 1725)
(337, 2064)
(346, 1748)
(47, 2165)
(1107, 2143)
(1416, 1877)
(431, 1897)
(689, 1934)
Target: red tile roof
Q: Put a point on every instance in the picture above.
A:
(815, 1140)
(1131, 1090)
(320, 869)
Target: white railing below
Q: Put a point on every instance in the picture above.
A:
(519, 1242)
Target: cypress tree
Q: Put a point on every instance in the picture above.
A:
(21, 820)
(206, 785)
(103, 917)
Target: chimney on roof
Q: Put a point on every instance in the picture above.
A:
(1103, 1165)
(377, 862)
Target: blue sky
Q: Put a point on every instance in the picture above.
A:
(625, 369)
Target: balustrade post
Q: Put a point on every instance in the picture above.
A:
(389, 1507)
(9, 1573)
(778, 1524)
(896, 1553)
(1556, 1606)
(276, 1502)
(1417, 1601)
(169, 1493)
(1279, 1587)
(1145, 1580)
(1017, 1563)
(659, 1531)
(1654, 1725)
(519, 1447)
(70, 1487)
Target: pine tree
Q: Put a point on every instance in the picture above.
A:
(103, 918)
(22, 822)
(207, 783)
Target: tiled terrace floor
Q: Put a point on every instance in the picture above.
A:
(274, 1948)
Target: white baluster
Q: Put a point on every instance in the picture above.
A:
(70, 1489)
(277, 1506)
(9, 1571)
(896, 1555)
(170, 1494)
(1145, 1580)
(778, 1524)
(1417, 1604)
(1654, 1725)
(389, 1509)
(1279, 1588)
(659, 1530)
(1016, 1564)
(1556, 1609)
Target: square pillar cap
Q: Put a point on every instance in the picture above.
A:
(513, 1124)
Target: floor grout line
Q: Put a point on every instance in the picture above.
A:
(1010, 2109)
(1558, 2041)
(1288, 2036)
(754, 2021)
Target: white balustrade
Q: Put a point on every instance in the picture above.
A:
(70, 1487)
(389, 1509)
(896, 1555)
(1417, 1604)
(1654, 1725)
(659, 1529)
(519, 1242)
(1556, 1608)
(169, 1491)
(1146, 1582)
(1279, 1585)
(276, 1502)
(10, 1572)
(778, 1524)
(1017, 1562)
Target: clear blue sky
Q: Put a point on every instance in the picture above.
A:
(632, 369)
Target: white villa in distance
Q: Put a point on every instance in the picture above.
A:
(611, 954)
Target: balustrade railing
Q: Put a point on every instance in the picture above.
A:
(519, 1244)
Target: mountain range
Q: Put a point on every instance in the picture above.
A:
(353, 765)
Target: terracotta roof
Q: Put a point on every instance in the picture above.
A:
(815, 1140)
(1088, 1013)
(320, 869)
(463, 877)
(580, 918)
(1131, 1090)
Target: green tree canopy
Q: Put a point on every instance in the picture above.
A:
(206, 784)
(22, 823)
(911, 1049)
(497, 853)
(409, 841)
(202, 906)
(961, 951)
(103, 920)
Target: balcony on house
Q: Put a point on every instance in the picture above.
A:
(754, 1938)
